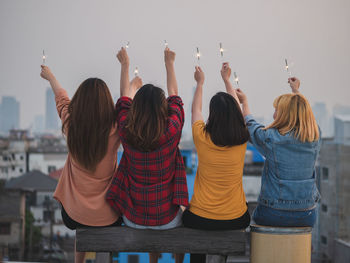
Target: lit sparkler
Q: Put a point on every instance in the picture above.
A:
(198, 54)
(136, 71)
(44, 57)
(236, 78)
(221, 51)
(287, 67)
(127, 44)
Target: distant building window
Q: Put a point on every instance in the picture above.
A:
(4, 158)
(21, 157)
(324, 240)
(133, 259)
(325, 173)
(20, 170)
(13, 156)
(13, 168)
(47, 215)
(5, 228)
(51, 168)
(324, 208)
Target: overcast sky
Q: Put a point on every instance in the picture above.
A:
(81, 39)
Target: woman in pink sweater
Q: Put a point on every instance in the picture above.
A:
(88, 122)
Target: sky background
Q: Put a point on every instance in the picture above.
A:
(81, 39)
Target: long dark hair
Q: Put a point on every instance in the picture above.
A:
(91, 115)
(146, 120)
(225, 124)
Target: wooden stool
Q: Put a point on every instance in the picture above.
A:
(280, 244)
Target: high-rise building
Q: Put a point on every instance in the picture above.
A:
(9, 114)
(39, 123)
(51, 117)
(334, 185)
(321, 114)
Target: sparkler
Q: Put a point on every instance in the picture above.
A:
(198, 54)
(221, 51)
(236, 78)
(44, 57)
(287, 67)
(165, 43)
(136, 71)
(127, 44)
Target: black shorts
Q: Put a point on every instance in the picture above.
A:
(192, 220)
(72, 224)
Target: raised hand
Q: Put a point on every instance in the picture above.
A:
(225, 71)
(123, 57)
(136, 83)
(46, 73)
(169, 57)
(241, 96)
(294, 84)
(199, 75)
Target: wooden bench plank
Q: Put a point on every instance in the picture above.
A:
(178, 240)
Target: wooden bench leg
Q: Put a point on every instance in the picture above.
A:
(216, 259)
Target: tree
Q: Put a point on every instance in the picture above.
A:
(32, 237)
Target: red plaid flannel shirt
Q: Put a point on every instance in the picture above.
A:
(148, 187)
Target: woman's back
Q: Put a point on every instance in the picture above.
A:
(218, 190)
(149, 186)
(80, 191)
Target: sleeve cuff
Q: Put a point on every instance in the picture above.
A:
(248, 118)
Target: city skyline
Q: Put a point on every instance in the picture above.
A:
(256, 36)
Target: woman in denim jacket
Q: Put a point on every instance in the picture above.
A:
(290, 145)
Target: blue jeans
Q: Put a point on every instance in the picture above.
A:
(176, 222)
(267, 216)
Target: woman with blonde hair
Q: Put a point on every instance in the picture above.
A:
(290, 145)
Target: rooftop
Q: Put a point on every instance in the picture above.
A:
(32, 181)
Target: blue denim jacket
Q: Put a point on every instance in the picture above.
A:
(289, 178)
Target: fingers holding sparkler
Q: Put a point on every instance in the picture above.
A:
(123, 57)
(225, 72)
(199, 75)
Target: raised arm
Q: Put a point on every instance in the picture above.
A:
(243, 99)
(49, 76)
(169, 58)
(226, 74)
(294, 84)
(197, 98)
(124, 73)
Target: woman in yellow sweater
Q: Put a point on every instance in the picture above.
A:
(218, 201)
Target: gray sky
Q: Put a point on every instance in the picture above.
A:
(81, 38)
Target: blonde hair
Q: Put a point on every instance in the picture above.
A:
(294, 114)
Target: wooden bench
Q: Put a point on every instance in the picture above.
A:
(178, 240)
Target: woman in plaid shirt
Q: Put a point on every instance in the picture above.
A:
(150, 184)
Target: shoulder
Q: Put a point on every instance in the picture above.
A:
(175, 100)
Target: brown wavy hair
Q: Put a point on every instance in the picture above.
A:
(146, 120)
(91, 115)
